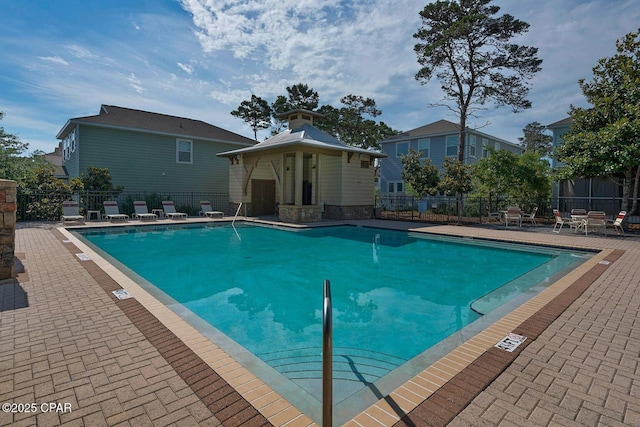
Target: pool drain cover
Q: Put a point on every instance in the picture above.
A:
(510, 342)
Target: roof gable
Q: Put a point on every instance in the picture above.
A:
(561, 123)
(144, 121)
(436, 128)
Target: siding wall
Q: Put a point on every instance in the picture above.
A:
(331, 180)
(359, 190)
(391, 166)
(147, 162)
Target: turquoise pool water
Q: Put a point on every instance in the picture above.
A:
(395, 294)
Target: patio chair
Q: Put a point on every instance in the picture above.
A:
(617, 223)
(559, 221)
(112, 212)
(531, 216)
(578, 219)
(71, 212)
(170, 210)
(206, 210)
(513, 214)
(141, 211)
(596, 220)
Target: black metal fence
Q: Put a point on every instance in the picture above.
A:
(477, 210)
(47, 205)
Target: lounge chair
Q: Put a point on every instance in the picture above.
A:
(559, 221)
(71, 212)
(617, 223)
(112, 212)
(513, 214)
(142, 213)
(531, 216)
(206, 210)
(170, 210)
(596, 220)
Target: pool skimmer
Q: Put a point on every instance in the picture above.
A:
(122, 294)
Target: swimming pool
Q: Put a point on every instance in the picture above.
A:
(396, 294)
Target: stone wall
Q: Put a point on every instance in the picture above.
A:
(300, 214)
(348, 212)
(7, 227)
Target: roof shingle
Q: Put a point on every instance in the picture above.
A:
(145, 121)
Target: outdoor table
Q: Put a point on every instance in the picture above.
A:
(91, 213)
(578, 221)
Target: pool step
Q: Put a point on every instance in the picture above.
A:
(349, 364)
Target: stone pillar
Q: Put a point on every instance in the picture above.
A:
(8, 205)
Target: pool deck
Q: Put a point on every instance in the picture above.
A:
(66, 339)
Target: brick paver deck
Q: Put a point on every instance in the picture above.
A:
(65, 339)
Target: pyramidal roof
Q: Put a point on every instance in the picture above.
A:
(305, 135)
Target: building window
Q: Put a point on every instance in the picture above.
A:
(424, 147)
(184, 151)
(497, 146)
(402, 149)
(485, 145)
(396, 187)
(452, 146)
(472, 146)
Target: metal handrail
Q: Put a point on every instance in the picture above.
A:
(327, 363)
(236, 215)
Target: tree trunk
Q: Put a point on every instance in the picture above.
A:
(636, 187)
(462, 133)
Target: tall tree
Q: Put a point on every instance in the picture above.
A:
(349, 125)
(10, 149)
(466, 46)
(535, 139)
(256, 113)
(302, 96)
(299, 96)
(604, 140)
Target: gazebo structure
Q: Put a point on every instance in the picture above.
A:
(303, 175)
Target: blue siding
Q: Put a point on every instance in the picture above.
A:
(391, 166)
(141, 161)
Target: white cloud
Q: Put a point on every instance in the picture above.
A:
(186, 68)
(54, 59)
(135, 83)
(336, 47)
(81, 52)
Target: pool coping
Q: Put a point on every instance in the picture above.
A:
(439, 392)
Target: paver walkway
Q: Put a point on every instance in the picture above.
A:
(63, 339)
(73, 346)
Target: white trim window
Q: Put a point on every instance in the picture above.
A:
(396, 186)
(497, 146)
(184, 151)
(402, 149)
(424, 147)
(472, 146)
(485, 148)
(451, 148)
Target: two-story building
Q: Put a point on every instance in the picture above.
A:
(149, 152)
(435, 141)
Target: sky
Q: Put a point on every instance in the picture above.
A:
(201, 58)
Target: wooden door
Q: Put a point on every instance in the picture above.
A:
(263, 197)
